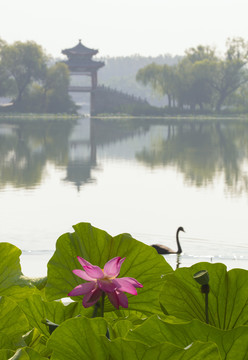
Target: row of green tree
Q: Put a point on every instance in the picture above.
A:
(202, 79)
(120, 73)
(32, 79)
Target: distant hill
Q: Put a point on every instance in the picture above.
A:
(119, 73)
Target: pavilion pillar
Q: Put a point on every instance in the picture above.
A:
(94, 79)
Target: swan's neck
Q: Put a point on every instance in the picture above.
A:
(179, 249)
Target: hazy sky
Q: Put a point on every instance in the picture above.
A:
(124, 27)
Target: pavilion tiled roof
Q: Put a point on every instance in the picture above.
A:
(79, 50)
(80, 58)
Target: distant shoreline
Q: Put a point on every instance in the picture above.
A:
(31, 116)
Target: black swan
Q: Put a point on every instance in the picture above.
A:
(162, 249)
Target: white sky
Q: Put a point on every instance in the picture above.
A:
(124, 27)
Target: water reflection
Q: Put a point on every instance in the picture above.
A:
(81, 153)
(178, 262)
(26, 148)
(203, 150)
(200, 150)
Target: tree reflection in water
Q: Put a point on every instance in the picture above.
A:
(200, 150)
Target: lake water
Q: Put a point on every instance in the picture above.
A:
(146, 177)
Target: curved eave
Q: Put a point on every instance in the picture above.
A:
(71, 52)
(79, 49)
(84, 67)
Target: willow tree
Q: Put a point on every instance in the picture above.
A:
(150, 75)
(24, 63)
(6, 83)
(201, 78)
(193, 74)
(185, 83)
(229, 73)
(55, 89)
(49, 95)
(161, 78)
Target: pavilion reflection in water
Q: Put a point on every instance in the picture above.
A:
(81, 153)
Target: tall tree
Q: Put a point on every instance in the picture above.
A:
(23, 62)
(6, 85)
(201, 78)
(150, 75)
(51, 94)
(56, 86)
(200, 53)
(229, 74)
(184, 83)
(193, 71)
(161, 78)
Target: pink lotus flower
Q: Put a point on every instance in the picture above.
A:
(104, 280)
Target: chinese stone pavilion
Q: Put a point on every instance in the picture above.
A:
(83, 70)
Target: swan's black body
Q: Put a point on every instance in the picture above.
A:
(162, 249)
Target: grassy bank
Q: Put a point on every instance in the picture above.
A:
(34, 117)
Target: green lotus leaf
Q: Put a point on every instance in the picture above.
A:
(6, 342)
(37, 341)
(96, 246)
(227, 300)
(121, 328)
(27, 353)
(78, 338)
(134, 350)
(122, 321)
(12, 281)
(135, 317)
(37, 310)
(83, 338)
(231, 343)
(6, 354)
(39, 282)
(13, 323)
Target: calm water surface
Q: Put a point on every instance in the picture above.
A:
(144, 177)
